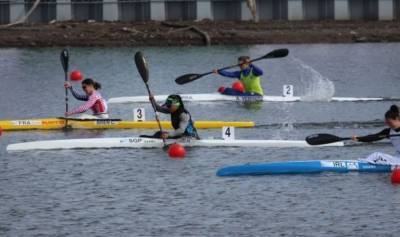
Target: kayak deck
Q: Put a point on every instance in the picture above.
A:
(56, 123)
(220, 97)
(139, 142)
(302, 167)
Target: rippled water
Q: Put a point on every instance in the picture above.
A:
(144, 193)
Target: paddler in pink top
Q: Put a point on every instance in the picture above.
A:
(93, 98)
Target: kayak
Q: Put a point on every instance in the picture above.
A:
(59, 123)
(302, 167)
(219, 97)
(139, 142)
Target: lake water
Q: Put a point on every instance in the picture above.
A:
(128, 192)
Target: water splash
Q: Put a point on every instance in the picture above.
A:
(316, 86)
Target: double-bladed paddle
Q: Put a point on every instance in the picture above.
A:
(143, 70)
(324, 138)
(278, 53)
(64, 57)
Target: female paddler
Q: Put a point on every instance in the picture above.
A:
(249, 75)
(181, 119)
(93, 98)
(392, 119)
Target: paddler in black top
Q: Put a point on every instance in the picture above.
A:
(180, 118)
(392, 119)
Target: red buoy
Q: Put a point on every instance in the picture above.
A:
(76, 75)
(396, 176)
(238, 86)
(221, 89)
(176, 151)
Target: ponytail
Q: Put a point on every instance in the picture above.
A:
(393, 112)
(97, 85)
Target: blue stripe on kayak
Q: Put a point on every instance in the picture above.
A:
(302, 167)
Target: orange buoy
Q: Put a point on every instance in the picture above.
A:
(396, 176)
(76, 75)
(176, 151)
(238, 86)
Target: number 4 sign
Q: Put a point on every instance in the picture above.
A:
(228, 133)
(139, 115)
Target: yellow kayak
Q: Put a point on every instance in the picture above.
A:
(59, 123)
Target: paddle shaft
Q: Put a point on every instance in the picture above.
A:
(321, 139)
(278, 53)
(155, 112)
(65, 64)
(228, 67)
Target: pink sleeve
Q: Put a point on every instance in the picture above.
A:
(86, 106)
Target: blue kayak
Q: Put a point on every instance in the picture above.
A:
(302, 167)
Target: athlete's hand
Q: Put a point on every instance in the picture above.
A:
(354, 138)
(215, 71)
(151, 96)
(164, 135)
(67, 84)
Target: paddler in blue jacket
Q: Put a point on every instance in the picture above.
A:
(181, 119)
(392, 119)
(249, 75)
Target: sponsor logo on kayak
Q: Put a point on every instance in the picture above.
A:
(350, 165)
(131, 140)
(105, 122)
(254, 98)
(53, 122)
(135, 140)
(187, 97)
(26, 122)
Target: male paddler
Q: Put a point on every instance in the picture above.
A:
(181, 119)
(249, 75)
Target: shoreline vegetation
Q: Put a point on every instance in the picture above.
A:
(120, 34)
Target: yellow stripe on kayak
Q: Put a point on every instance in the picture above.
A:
(54, 123)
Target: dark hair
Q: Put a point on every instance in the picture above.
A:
(392, 113)
(91, 82)
(243, 58)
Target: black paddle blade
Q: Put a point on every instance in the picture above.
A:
(278, 53)
(64, 57)
(141, 66)
(187, 78)
(323, 138)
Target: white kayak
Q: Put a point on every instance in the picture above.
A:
(219, 97)
(139, 142)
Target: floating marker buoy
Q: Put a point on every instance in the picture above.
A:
(176, 151)
(76, 75)
(396, 176)
(238, 86)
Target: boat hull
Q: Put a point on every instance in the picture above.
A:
(219, 97)
(302, 167)
(138, 142)
(55, 123)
